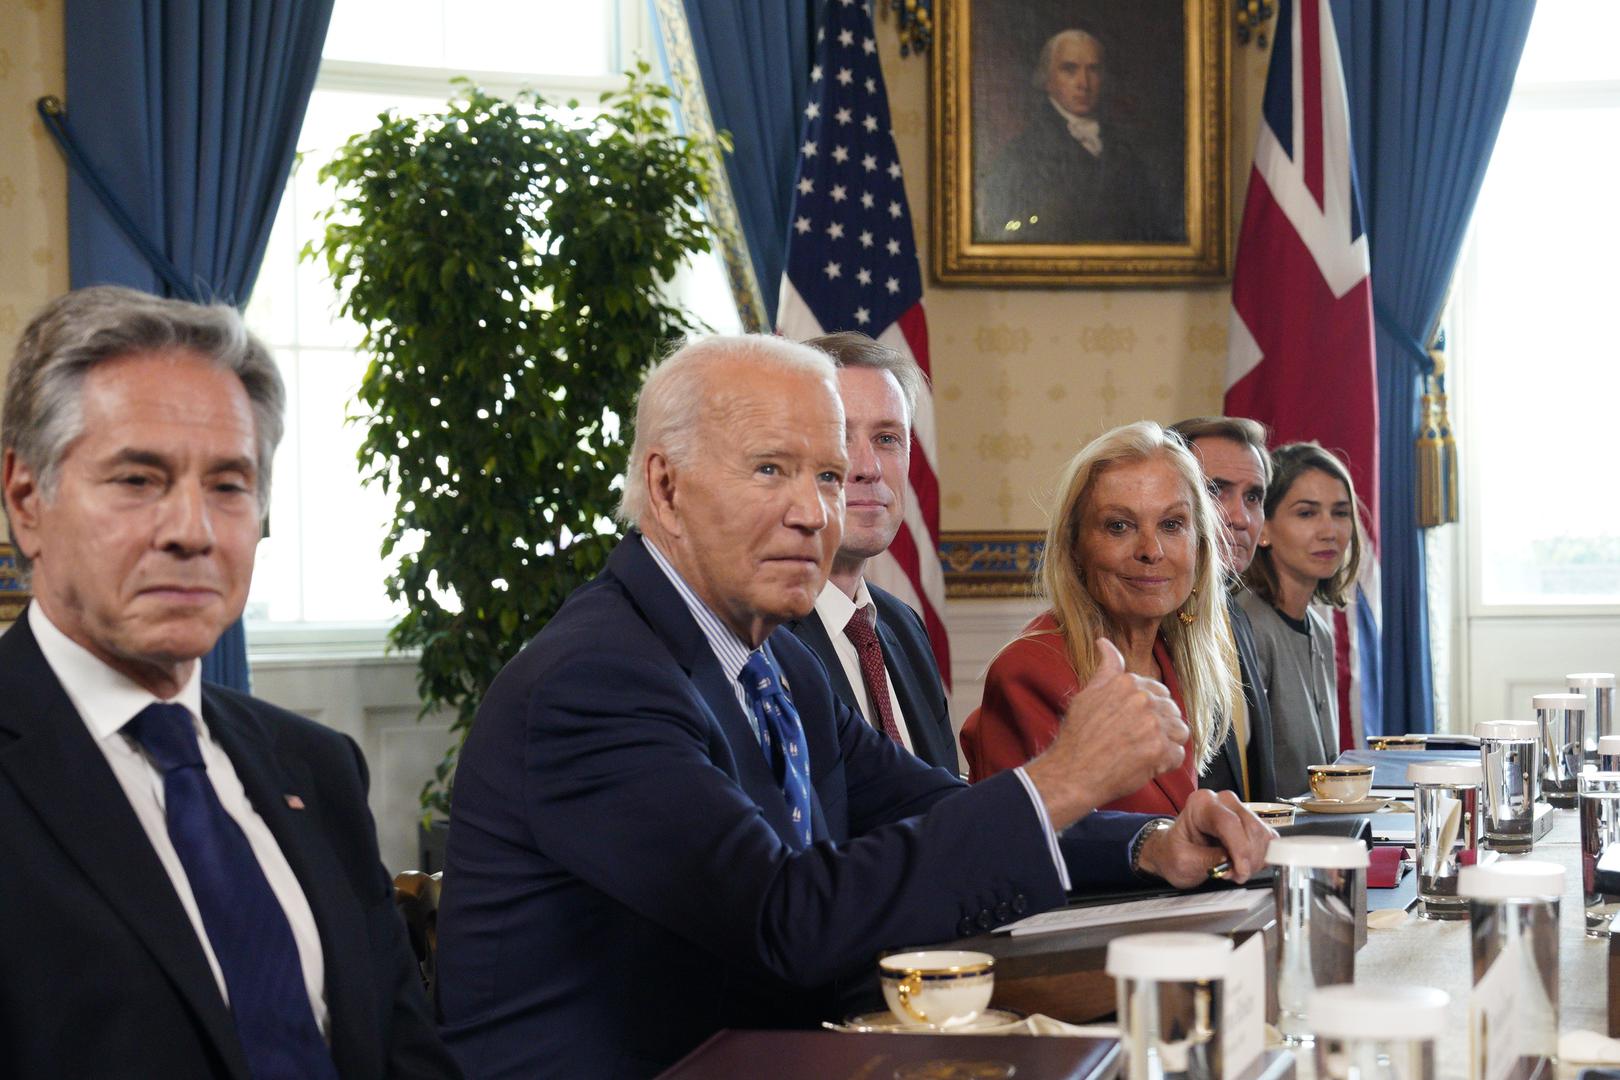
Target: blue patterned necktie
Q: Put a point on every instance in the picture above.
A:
(246, 925)
(782, 736)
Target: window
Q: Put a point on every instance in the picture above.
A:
(319, 576)
(1538, 370)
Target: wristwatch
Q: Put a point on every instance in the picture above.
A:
(1152, 828)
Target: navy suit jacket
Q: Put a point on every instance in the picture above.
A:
(1223, 774)
(618, 882)
(912, 671)
(101, 972)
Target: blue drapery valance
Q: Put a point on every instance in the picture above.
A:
(1428, 83)
(189, 112)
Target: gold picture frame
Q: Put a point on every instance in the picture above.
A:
(997, 131)
(14, 592)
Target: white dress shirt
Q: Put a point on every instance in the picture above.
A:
(107, 700)
(836, 610)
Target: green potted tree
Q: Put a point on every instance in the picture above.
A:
(506, 260)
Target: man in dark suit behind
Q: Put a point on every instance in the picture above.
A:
(874, 644)
(665, 822)
(1232, 452)
(191, 881)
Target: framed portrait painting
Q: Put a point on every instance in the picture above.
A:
(1080, 142)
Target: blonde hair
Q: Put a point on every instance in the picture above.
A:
(1202, 651)
(1289, 463)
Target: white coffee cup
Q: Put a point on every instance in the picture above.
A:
(937, 988)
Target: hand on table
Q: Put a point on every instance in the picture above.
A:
(1214, 827)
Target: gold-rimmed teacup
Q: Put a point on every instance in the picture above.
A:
(1275, 814)
(1341, 783)
(937, 988)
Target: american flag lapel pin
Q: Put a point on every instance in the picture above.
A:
(294, 802)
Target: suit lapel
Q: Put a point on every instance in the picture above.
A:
(666, 612)
(57, 768)
(813, 632)
(914, 703)
(269, 775)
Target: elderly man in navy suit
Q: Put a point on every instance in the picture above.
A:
(666, 823)
(873, 643)
(192, 885)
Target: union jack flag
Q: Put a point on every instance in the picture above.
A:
(1300, 353)
(852, 265)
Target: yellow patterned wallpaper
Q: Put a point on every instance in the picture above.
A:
(33, 180)
(1024, 377)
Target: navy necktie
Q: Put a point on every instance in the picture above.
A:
(246, 925)
(782, 736)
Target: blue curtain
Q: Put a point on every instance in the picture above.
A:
(187, 112)
(754, 58)
(1428, 84)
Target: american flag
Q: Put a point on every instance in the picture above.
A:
(1300, 354)
(852, 265)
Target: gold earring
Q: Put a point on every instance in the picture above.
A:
(1189, 617)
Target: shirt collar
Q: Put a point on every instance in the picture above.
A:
(728, 648)
(105, 698)
(836, 609)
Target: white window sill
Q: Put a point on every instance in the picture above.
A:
(272, 644)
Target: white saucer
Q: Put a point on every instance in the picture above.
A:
(988, 1022)
(1312, 805)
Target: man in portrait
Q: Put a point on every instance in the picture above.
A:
(1072, 176)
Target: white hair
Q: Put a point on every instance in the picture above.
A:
(678, 395)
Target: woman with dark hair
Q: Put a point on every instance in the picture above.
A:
(1310, 550)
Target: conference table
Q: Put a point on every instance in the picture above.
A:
(1061, 974)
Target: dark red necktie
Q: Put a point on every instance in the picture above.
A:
(859, 630)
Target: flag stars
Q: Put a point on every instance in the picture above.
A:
(846, 37)
(806, 185)
(893, 285)
(840, 154)
(893, 247)
(834, 271)
(815, 73)
(835, 231)
(809, 148)
(866, 241)
(894, 209)
(871, 86)
(846, 76)
(868, 46)
(894, 169)
(864, 276)
(801, 226)
(869, 123)
(862, 316)
(844, 116)
(867, 200)
(839, 193)
(812, 110)
(869, 162)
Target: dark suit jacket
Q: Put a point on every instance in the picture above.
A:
(912, 670)
(618, 884)
(1223, 774)
(101, 972)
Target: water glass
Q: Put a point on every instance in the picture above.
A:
(1377, 1032)
(1170, 999)
(1600, 836)
(1561, 721)
(1445, 804)
(1508, 752)
(1319, 887)
(1598, 689)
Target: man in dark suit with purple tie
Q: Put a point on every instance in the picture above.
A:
(666, 823)
(191, 885)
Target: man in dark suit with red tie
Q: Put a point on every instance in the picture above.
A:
(191, 881)
(874, 644)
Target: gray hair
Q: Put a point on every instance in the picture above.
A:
(677, 393)
(1043, 66)
(852, 349)
(43, 413)
(1239, 429)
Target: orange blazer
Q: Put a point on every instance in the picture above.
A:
(1026, 692)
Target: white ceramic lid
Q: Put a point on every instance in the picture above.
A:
(1512, 879)
(1602, 680)
(1461, 773)
(1322, 852)
(1559, 701)
(1383, 1012)
(1609, 744)
(1169, 956)
(1507, 729)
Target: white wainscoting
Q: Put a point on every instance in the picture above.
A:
(373, 700)
(1511, 658)
(979, 628)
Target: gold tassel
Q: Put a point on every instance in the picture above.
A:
(1436, 449)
